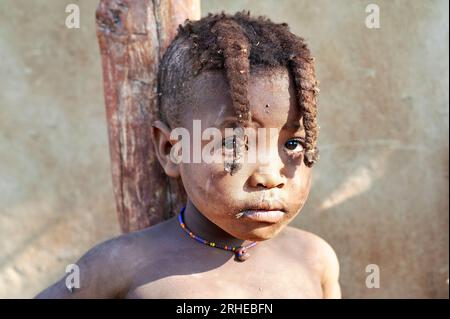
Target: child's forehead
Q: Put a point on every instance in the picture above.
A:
(212, 81)
(271, 94)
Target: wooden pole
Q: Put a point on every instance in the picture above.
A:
(133, 35)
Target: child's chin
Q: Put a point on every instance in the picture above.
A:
(261, 234)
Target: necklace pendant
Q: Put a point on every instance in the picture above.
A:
(241, 254)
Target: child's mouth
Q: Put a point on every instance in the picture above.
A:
(268, 216)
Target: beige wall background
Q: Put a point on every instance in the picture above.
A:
(380, 192)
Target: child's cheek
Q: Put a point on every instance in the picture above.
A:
(217, 182)
(299, 187)
(202, 178)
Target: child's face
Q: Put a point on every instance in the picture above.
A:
(282, 182)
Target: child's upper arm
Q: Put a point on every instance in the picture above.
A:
(330, 277)
(102, 274)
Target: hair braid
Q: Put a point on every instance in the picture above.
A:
(302, 68)
(236, 51)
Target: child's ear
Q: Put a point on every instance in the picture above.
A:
(163, 145)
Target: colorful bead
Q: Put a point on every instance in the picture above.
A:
(240, 252)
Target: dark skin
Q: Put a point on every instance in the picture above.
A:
(163, 262)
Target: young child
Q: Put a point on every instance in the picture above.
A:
(232, 238)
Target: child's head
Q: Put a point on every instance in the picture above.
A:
(245, 73)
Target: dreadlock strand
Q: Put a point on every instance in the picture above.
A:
(236, 49)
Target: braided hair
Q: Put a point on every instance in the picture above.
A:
(234, 43)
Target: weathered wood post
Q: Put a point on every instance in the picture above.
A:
(133, 35)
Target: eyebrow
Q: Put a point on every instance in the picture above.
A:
(293, 126)
(234, 122)
(227, 121)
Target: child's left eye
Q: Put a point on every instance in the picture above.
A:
(294, 145)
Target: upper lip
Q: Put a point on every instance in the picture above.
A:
(266, 206)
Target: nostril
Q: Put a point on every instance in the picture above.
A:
(281, 185)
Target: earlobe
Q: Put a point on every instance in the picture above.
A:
(162, 146)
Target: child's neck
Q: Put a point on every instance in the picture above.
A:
(204, 228)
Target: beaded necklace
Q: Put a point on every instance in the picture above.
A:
(240, 252)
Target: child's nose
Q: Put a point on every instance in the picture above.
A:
(267, 176)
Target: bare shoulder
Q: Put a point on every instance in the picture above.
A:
(106, 270)
(310, 243)
(321, 258)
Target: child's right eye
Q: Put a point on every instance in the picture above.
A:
(232, 142)
(229, 143)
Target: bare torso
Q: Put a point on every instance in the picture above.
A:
(278, 268)
(163, 262)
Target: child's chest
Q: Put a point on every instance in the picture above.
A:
(267, 281)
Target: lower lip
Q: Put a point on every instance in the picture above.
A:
(268, 216)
